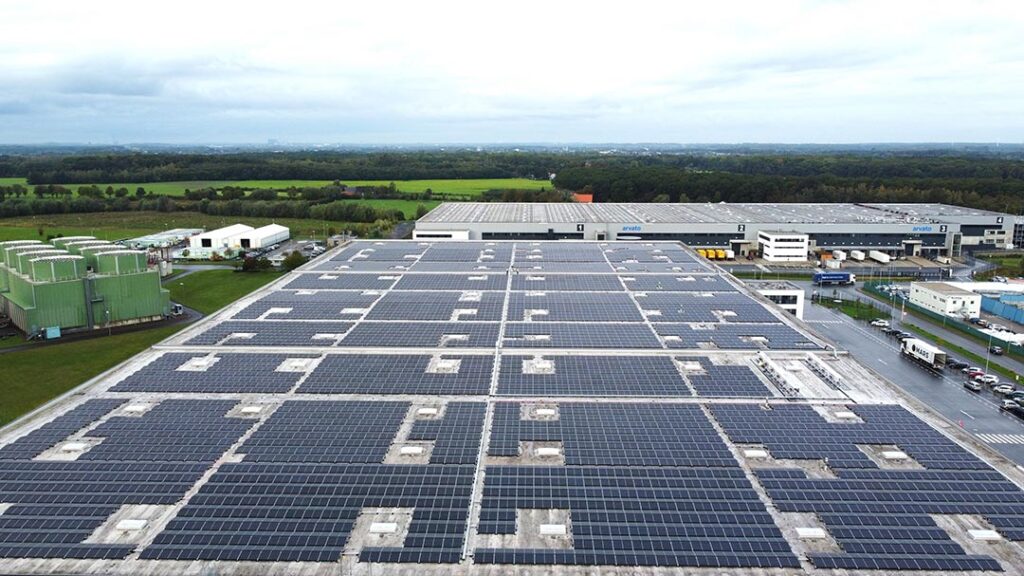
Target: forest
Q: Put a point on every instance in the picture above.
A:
(989, 182)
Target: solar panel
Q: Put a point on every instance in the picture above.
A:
(400, 374)
(596, 420)
(592, 376)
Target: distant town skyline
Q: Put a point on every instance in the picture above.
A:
(461, 72)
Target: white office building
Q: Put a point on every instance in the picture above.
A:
(946, 299)
(778, 246)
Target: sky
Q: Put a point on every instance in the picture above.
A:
(449, 71)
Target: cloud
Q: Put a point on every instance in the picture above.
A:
(455, 70)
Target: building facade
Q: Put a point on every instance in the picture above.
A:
(927, 230)
(946, 299)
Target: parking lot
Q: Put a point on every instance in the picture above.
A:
(976, 412)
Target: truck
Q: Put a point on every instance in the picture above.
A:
(932, 358)
(857, 255)
(826, 278)
(879, 256)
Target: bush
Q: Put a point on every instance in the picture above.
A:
(294, 260)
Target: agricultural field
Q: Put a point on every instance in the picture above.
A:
(119, 225)
(469, 188)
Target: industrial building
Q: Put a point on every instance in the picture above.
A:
(261, 238)
(165, 239)
(927, 230)
(237, 237)
(784, 294)
(440, 408)
(777, 246)
(946, 298)
(77, 283)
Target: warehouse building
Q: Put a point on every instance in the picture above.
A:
(261, 238)
(229, 240)
(77, 283)
(927, 230)
(400, 407)
(946, 299)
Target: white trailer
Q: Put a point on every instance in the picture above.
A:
(730, 255)
(923, 353)
(879, 256)
(857, 255)
(838, 255)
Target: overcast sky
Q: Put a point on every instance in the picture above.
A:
(546, 71)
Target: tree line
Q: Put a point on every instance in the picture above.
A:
(989, 182)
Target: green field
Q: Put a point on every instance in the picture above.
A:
(210, 290)
(471, 188)
(34, 377)
(118, 225)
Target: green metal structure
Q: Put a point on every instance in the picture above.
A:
(78, 283)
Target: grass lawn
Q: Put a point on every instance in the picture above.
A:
(210, 290)
(118, 225)
(1009, 265)
(34, 377)
(858, 310)
(467, 187)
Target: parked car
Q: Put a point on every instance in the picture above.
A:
(997, 350)
(988, 379)
(982, 322)
(890, 331)
(1011, 407)
(957, 365)
(972, 385)
(969, 369)
(880, 323)
(1003, 389)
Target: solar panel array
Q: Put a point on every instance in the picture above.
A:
(454, 393)
(880, 517)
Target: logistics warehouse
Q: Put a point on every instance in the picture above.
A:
(927, 230)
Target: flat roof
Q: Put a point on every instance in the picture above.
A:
(693, 213)
(488, 407)
(944, 288)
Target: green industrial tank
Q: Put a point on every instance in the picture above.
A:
(12, 244)
(121, 262)
(22, 262)
(11, 253)
(63, 242)
(77, 246)
(58, 268)
(90, 252)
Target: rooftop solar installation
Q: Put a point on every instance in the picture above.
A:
(493, 408)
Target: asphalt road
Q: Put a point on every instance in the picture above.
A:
(948, 334)
(976, 412)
